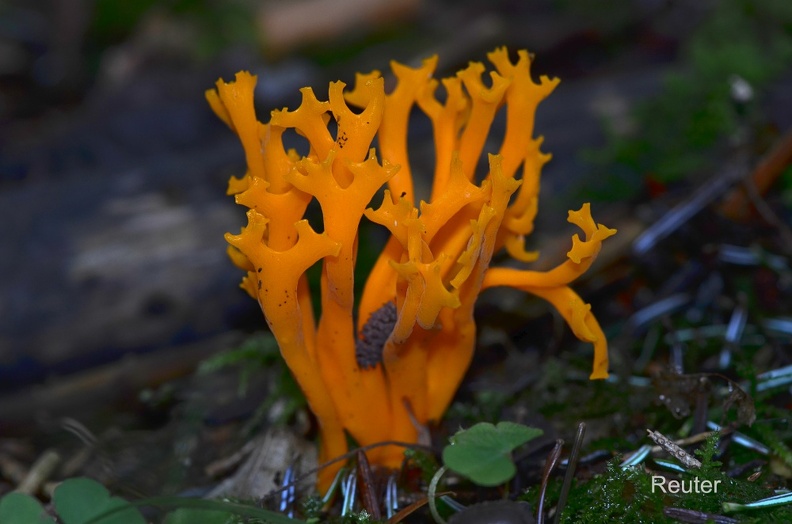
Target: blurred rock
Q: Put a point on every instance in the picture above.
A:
(99, 265)
(112, 222)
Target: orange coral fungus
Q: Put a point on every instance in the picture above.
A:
(415, 332)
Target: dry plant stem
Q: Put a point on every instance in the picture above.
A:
(768, 214)
(695, 439)
(550, 464)
(367, 486)
(687, 460)
(76, 462)
(735, 206)
(574, 455)
(39, 472)
(755, 476)
(412, 508)
(432, 495)
(701, 412)
(680, 214)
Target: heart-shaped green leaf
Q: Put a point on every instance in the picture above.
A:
(83, 501)
(482, 453)
(19, 508)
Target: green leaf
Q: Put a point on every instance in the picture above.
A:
(198, 506)
(85, 501)
(483, 452)
(197, 516)
(19, 508)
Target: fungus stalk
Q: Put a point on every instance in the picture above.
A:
(415, 333)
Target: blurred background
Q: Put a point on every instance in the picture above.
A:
(113, 273)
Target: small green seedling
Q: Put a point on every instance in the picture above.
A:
(20, 508)
(482, 453)
(85, 501)
(75, 501)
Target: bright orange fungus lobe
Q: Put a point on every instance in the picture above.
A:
(437, 259)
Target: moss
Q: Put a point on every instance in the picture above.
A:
(619, 494)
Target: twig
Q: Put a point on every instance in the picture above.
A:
(735, 205)
(768, 214)
(368, 488)
(574, 455)
(39, 472)
(552, 460)
(687, 460)
(407, 511)
(694, 439)
(431, 495)
(684, 211)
